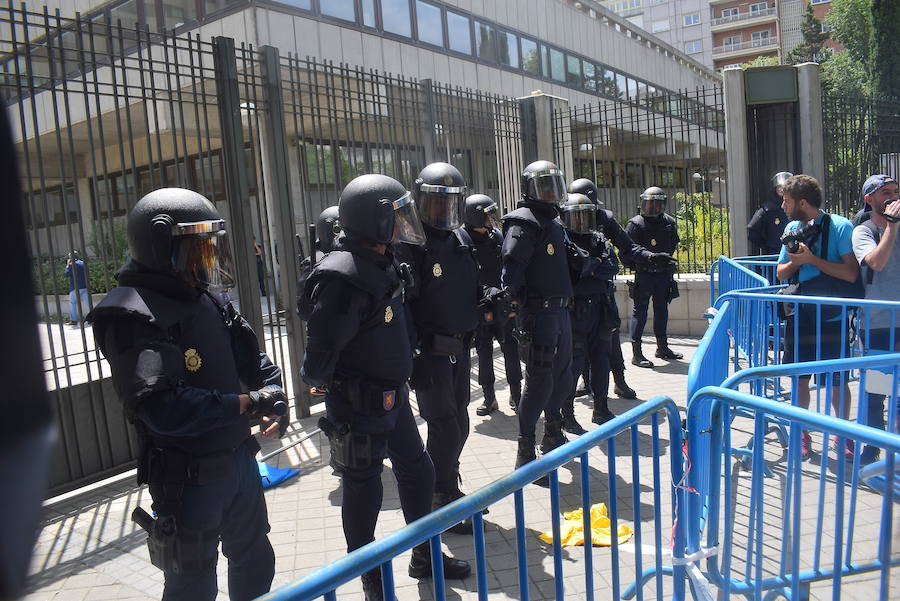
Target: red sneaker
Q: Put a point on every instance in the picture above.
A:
(848, 448)
(805, 445)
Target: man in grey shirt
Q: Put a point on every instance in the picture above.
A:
(877, 248)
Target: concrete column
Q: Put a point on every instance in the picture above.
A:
(536, 118)
(738, 177)
(812, 137)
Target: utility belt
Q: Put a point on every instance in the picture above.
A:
(553, 302)
(446, 345)
(650, 269)
(366, 397)
(172, 466)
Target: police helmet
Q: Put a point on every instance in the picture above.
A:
(653, 202)
(543, 181)
(440, 193)
(586, 187)
(377, 209)
(579, 214)
(778, 181)
(481, 211)
(177, 231)
(327, 228)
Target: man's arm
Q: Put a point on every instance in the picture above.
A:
(847, 269)
(629, 250)
(878, 258)
(334, 321)
(518, 246)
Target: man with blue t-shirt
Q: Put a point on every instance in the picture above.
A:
(76, 272)
(835, 262)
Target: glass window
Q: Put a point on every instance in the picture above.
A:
(632, 88)
(395, 17)
(127, 13)
(730, 12)
(368, 13)
(731, 41)
(304, 4)
(693, 47)
(758, 7)
(590, 80)
(573, 70)
(319, 164)
(759, 38)
(509, 48)
(557, 65)
(213, 6)
(353, 162)
(661, 25)
(485, 41)
(634, 175)
(459, 35)
(622, 85)
(530, 58)
(340, 9)
(692, 19)
(176, 13)
(607, 84)
(428, 23)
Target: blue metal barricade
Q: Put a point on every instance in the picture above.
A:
(762, 540)
(732, 275)
(325, 581)
(764, 265)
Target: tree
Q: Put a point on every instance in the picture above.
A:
(850, 23)
(813, 40)
(885, 64)
(761, 61)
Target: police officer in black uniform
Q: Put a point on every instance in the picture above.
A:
(536, 276)
(481, 222)
(327, 229)
(656, 231)
(360, 351)
(444, 299)
(767, 224)
(180, 360)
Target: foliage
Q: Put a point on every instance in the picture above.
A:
(886, 47)
(112, 245)
(48, 274)
(703, 230)
(850, 23)
(813, 39)
(761, 61)
(845, 76)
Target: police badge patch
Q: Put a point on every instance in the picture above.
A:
(550, 249)
(437, 270)
(777, 221)
(388, 315)
(388, 398)
(653, 242)
(192, 359)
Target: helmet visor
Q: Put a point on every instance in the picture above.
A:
(442, 207)
(407, 225)
(201, 254)
(547, 186)
(491, 217)
(581, 219)
(653, 206)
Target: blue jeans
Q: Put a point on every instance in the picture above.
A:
(73, 304)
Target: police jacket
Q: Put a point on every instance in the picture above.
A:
(179, 360)
(656, 234)
(445, 291)
(631, 251)
(602, 264)
(535, 265)
(303, 306)
(358, 326)
(487, 252)
(766, 226)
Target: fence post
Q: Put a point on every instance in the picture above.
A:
(812, 133)
(737, 156)
(282, 208)
(429, 137)
(237, 190)
(538, 142)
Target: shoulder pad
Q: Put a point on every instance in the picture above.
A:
(522, 214)
(142, 304)
(356, 271)
(464, 238)
(605, 215)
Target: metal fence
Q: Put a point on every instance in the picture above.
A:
(675, 141)
(862, 138)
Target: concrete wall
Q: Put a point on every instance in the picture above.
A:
(685, 312)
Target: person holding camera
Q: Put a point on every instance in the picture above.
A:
(76, 273)
(818, 254)
(874, 242)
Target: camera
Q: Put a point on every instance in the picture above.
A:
(805, 234)
(889, 217)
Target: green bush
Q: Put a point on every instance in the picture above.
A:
(49, 277)
(703, 230)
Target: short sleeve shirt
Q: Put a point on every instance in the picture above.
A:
(885, 284)
(840, 243)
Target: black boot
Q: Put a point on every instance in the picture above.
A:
(490, 402)
(621, 388)
(638, 357)
(525, 452)
(583, 390)
(553, 436)
(569, 423)
(602, 414)
(420, 564)
(439, 499)
(515, 395)
(372, 587)
(664, 352)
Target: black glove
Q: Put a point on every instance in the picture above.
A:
(662, 260)
(268, 401)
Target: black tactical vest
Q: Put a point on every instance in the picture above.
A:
(602, 265)
(447, 282)
(547, 274)
(487, 250)
(656, 234)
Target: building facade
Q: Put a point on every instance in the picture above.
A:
(743, 30)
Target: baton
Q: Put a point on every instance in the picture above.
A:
(290, 446)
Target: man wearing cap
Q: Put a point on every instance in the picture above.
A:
(875, 244)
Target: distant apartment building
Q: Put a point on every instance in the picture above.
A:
(684, 24)
(791, 14)
(743, 30)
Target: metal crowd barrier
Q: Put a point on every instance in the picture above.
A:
(758, 543)
(732, 275)
(763, 265)
(325, 581)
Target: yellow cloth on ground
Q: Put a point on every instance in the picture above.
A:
(571, 531)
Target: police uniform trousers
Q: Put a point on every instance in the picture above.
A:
(484, 347)
(443, 394)
(231, 508)
(591, 344)
(548, 371)
(616, 358)
(362, 489)
(647, 286)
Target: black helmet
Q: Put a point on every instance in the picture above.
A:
(579, 214)
(327, 228)
(481, 211)
(778, 181)
(543, 181)
(586, 187)
(177, 231)
(653, 202)
(378, 209)
(440, 192)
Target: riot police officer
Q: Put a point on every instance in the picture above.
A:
(327, 229)
(656, 231)
(536, 275)
(443, 300)
(179, 360)
(480, 223)
(360, 351)
(767, 224)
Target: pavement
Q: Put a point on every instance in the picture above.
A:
(88, 548)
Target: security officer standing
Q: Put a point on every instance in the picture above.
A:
(536, 276)
(180, 360)
(656, 231)
(360, 351)
(443, 299)
(767, 224)
(481, 222)
(327, 229)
